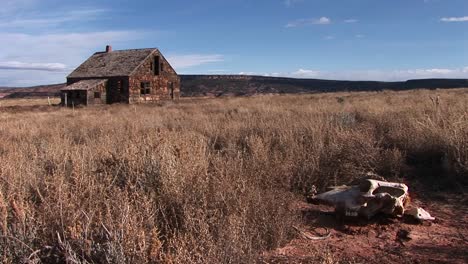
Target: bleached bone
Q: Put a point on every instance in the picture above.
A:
(307, 235)
(367, 198)
(420, 214)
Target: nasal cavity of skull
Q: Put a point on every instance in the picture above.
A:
(396, 192)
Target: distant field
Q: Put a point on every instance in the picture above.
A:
(42, 101)
(214, 180)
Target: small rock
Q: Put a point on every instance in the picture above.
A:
(404, 235)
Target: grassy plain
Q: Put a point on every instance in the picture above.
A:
(29, 102)
(208, 180)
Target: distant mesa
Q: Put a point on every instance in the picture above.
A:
(51, 90)
(247, 85)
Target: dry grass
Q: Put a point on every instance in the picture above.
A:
(29, 102)
(207, 181)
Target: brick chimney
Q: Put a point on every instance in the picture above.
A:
(108, 48)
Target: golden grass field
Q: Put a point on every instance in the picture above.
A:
(207, 180)
(29, 102)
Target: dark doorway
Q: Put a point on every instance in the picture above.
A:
(76, 97)
(117, 91)
(171, 86)
(156, 65)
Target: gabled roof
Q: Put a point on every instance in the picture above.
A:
(114, 63)
(84, 85)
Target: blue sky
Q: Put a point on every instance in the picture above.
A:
(43, 40)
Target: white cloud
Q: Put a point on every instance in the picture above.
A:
(65, 48)
(16, 65)
(16, 78)
(371, 75)
(190, 60)
(9, 6)
(329, 37)
(381, 75)
(250, 73)
(309, 21)
(52, 56)
(454, 19)
(42, 47)
(349, 21)
(51, 20)
(306, 73)
(323, 21)
(360, 36)
(289, 3)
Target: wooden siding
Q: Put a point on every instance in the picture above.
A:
(101, 89)
(85, 97)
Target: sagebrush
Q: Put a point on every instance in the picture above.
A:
(207, 180)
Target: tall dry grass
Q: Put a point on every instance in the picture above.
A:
(207, 181)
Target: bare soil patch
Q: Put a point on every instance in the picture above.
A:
(382, 240)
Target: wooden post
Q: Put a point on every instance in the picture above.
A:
(66, 101)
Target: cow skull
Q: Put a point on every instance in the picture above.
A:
(367, 198)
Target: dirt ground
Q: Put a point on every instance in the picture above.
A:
(382, 240)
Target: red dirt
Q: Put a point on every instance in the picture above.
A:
(382, 240)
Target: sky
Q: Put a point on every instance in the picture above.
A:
(42, 41)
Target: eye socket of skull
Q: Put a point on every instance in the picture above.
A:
(396, 192)
(365, 186)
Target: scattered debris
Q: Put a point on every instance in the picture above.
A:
(309, 236)
(404, 235)
(368, 197)
(379, 240)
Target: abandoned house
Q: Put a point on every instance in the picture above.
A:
(122, 76)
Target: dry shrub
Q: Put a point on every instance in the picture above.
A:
(205, 180)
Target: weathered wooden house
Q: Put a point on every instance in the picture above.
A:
(122, 76)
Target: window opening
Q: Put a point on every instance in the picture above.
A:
(145, 88)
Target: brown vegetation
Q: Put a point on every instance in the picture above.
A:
(19, 104)
(208, 181)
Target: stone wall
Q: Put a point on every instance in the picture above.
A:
(163, 86)
(124, 89)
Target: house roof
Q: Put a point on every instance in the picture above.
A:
(84, 85)
(114, 63)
